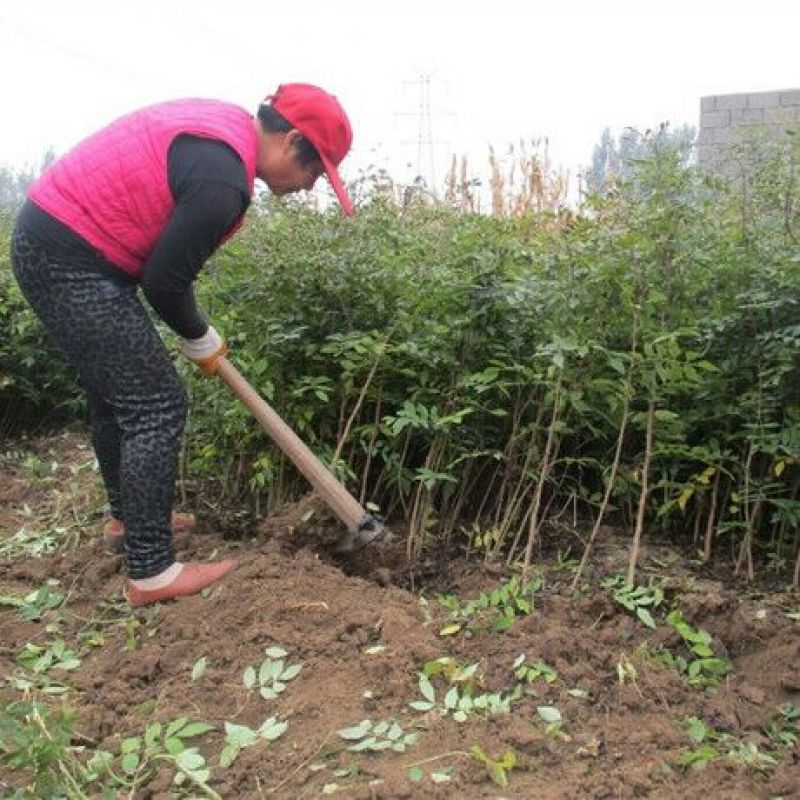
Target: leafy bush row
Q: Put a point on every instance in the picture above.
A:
(637, 360)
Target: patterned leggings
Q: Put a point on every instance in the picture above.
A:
(137, 401)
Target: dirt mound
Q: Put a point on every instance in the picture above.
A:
(361, 647)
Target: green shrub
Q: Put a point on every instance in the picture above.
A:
(34, 381)
(456, 363)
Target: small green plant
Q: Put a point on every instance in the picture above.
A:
(750, 755)
(501, 606)
(237, 737)
(483, 541)
(566, 561)
(140, 757)
(699, 758)
(36, 741)
(704, 670)
(702, 736)
(376, 736)
(497, 768)
(454, 672)
(36, 604)
(638, 599)
(555, 722)
(530, 673)
(41, 659)
(273, 675)
(783, 728)
(712, 744)
(461, 702)
(43, 683)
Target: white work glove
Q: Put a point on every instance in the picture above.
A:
(205, 351)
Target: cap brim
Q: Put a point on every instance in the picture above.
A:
(338, 187)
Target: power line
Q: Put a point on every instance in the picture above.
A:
(93, 61)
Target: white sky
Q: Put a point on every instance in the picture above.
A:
(500, 70)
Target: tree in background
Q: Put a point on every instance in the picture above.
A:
(616, 159)
(14, 182)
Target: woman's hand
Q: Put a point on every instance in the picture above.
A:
(205, 351)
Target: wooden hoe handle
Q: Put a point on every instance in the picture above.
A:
(340, 501)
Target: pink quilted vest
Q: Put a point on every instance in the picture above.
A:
(112, 188)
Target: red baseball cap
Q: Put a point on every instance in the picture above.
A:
(322, 120)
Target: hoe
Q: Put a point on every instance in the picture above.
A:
(362, 528)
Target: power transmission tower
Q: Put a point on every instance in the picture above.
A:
(425, 143)
(425, 131)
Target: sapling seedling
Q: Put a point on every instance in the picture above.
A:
(783, 728)
(237, 737)
(36, 739)
(501, 605)
(699, 758)
(34, 605)
(530, 673)
(42, 682)
(453, 671)
(713, 744)
(565, 560)
(749, 754)
(638, 599)
(376, 736)
(42, 659)
(415, 774)
(552, 717)
(702, 736)
(140, 756)
(460, 702)
(705, 670)
(497, 768)
(273, 674)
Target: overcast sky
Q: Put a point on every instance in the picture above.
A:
(499, 70)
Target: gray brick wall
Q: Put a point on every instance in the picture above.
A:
(728, 119)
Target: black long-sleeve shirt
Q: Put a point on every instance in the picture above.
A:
(210, 189)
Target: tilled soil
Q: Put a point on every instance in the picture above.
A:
(362, 639)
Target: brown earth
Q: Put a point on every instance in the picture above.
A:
(622, 740)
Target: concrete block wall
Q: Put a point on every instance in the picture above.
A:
(729, 118)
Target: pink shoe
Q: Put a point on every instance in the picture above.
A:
(193, 578)
(114, 530)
